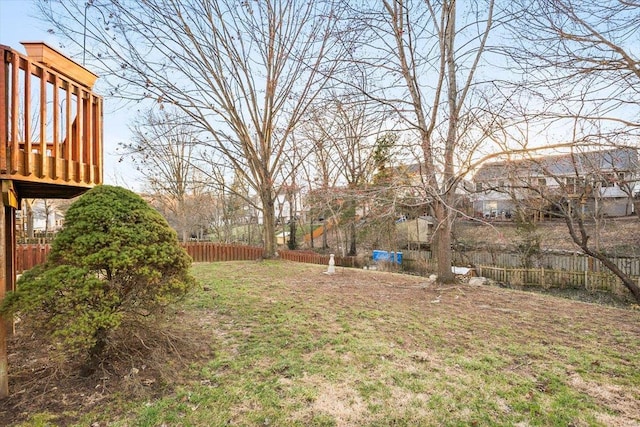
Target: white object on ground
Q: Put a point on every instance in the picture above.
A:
(332, 264)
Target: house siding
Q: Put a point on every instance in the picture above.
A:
(551, 173)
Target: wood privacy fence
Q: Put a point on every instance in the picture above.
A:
(28, 256)
(213, 252)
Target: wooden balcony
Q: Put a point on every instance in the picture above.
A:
(50, 124)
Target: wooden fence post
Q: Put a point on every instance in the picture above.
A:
(586, 278)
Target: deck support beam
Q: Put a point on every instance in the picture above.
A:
(7, 273)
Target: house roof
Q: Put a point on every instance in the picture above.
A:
(577, 163)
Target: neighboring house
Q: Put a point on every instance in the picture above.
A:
(52, 223)
(39, 215)
(600, 181)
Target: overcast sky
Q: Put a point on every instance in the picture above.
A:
(18, 23)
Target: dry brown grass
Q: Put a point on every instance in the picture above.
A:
(294, 346)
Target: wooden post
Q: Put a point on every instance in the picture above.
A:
(7, 276)
(586, 278)
(4, 250)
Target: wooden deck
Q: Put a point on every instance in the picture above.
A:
(50, 124)
(50, 145)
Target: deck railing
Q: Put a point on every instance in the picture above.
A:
(50, 125)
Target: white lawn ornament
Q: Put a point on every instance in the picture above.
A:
(332, 264)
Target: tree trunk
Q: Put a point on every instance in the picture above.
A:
(269, 226)
(47, 213)
(443, 244)
(627, 281)
(352, 243)
(311, 231)
(582, 241)
(324, 235)
(29, 221)
(293, 244)
(95, 353)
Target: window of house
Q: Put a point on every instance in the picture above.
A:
(608, 180)
(478, 186)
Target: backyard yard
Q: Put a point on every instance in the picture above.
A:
(284, 344)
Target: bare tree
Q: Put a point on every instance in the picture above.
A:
(202, 208)
(425, 55)
(163, 148)
(348, 127)
(291, 190)
(579, 67)
(244, 72)
(579, 60)
(28, 218)
(579, 187)
(388, 186)
(318, 170)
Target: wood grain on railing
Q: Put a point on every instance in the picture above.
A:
(53, 132)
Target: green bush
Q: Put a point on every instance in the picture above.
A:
(115, 261)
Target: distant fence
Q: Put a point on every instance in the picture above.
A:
(28, 256)
(586, 278)
(545, 278)
(552, 261)
(310, 257)
(213, 252)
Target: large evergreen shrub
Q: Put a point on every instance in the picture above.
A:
(115, 261)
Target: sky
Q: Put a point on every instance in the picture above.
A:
(18, 23)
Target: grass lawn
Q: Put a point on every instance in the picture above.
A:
(292, 346)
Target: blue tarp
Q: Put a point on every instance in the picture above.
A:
(394, 257)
